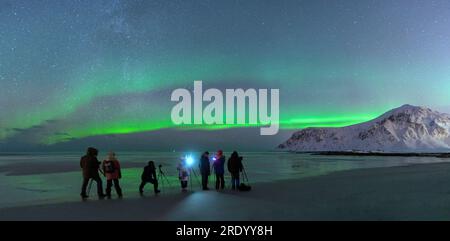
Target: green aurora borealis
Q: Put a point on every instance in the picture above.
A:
(75, 69)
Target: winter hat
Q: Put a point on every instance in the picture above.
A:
(111, 156)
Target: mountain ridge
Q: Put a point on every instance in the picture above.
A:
(407, 128)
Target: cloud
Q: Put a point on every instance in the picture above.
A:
(70, 139)
(58, 133)
(37, 127)
(18, 129)
(51, 121)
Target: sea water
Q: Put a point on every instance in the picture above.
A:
(37, 178)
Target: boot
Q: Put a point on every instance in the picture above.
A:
(119, 192)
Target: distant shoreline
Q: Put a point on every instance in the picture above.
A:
(403, 154)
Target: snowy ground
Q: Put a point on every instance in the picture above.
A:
(416, 192)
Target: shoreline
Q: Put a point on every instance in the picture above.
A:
(414, 192)
(387, 154)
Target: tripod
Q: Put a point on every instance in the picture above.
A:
(90, 186)
(161, 176)
(196, 178)
(244, 174)
(91, 180)
(212, 173)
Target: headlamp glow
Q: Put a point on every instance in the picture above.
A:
(189, 160)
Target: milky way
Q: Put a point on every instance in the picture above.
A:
(74, 69)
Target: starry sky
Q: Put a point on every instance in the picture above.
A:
(89, 71)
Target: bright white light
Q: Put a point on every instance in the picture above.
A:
(189, 160)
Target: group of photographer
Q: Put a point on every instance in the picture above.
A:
(234, 165)
(110, 168)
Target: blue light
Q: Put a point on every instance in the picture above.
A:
(189, 160)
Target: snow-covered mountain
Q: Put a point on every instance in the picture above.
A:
(404, 129)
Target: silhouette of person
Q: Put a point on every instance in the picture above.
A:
(183, 174)
(219, 168)
(112, 171)
(205, 169)
(235, 168)
(149, 176)
(90, 165)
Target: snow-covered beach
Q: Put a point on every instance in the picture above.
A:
(285, 187)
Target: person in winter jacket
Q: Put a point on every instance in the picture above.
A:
(183, 174)
(112, 172)
(90, 165)
(149, 176)
(235, 168)
(205, 169)
(219, 168)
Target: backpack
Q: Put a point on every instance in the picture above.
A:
(110, 167)
(244, 188)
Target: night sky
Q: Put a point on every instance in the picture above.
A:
(87, 70)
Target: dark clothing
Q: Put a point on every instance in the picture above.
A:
(149, 176)
(235, 164)
(90, 166)
(152, 181)
(219, 169)
(205, 182)
(235, 168)
(86, 182)
(235, 181)
(219, 165)
(205, 168)
(220, 181)
(109, 184)
(149, 173)
(184, 184)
